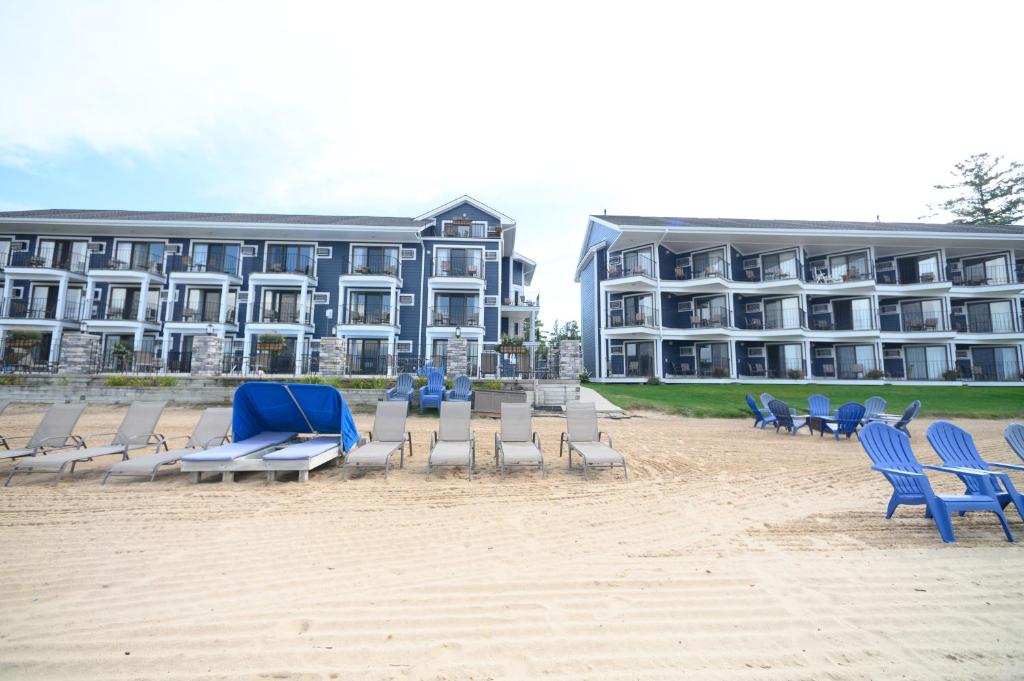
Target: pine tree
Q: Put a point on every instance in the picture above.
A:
(988, 194)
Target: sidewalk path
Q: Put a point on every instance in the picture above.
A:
(603, 406)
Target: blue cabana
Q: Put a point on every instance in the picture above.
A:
(291, 407)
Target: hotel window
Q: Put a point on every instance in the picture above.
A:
(709, 264)
(374, 260)
(849, 267)
(779, 266)
(215, 257)
(290, 258)
(138, 255)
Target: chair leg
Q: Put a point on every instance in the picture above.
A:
(625, 471)
(943, 522)
(893, 503)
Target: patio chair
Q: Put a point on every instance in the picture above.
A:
(766, 399)
(453, 444)
(387, 437)
(584, 438)
(909, 414)
(760, 418)
(955, 447)
(820, 411)
(137, 430)
(847, 420)
(53, 432)
(211, 431)
(1014, 435)
(402, 390)
(873, 407)
(890, 452)
(432, 394)
(785, 418)
(462, 391)
(517, 445)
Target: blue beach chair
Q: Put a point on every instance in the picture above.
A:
(461, 391)
(784, 418)
(874, 406)
(766, 399)
(909, 414)
(402, 390)
(760, 418)
(820, 410)
(847, 419)
(889, 450)
(432, 394)
(1014, 435)
(955, 447)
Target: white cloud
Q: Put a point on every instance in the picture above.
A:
(548, 111)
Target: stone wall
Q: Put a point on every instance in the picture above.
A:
(458, 356)
(207, 355)
(570, 359)
(79, 353)
(332, 356)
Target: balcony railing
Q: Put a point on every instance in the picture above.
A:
(369, 364)
(19, 309)
(859, 321)
(212, 265)
(208, 313)
(632, 265)
(825, 275)
(927, 370)
(996, 371)
(911, 323)
(459, 266)
(284, 314)
(787, 319)
(372, 265)
(47, 258)
(369, 317)
(130, 313)
(859, 370)
(716, 268)
(760, 367)
(302, 264)
(643, 315)
(106, 261)
(521, 301)
(790, 272)
(980, 275)
(707, 318)
(444, 317)
(931, 275)
(1000, 322)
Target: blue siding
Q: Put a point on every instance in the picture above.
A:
(588, 318)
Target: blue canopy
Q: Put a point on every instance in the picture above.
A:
(260, 406)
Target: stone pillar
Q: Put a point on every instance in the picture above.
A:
(458, 356)
(79, 353)
(570, 359)
(333, 356)
(207, 355)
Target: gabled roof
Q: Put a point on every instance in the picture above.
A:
(57, 214)
(815, 225)
(505, 220)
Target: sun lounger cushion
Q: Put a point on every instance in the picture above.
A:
(303, 450)
(372, 453)
(143, 465)
(598, 452)
(514, 453)
(450, 454)
(236, 450)
(54, 461)
(15, 453)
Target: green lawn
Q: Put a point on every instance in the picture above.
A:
(726, 401)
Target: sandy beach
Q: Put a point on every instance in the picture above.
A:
(730, 554)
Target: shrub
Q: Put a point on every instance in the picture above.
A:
(719, 372)
(875, 374)
(584, 377)
(140, 381)
(795, 374)
(653, 380)
(10, 379)
(488, 385)
(950, 375)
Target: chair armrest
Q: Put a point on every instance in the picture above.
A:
(894, 471)
(497, 447)
(600, 433)
(536, 439)
(408, 435)
(561, 442)
(433, 439)
(218, 439)
(1011, 466)
(369, 436)
(956, 470)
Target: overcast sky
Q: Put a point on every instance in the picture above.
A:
(546, 111)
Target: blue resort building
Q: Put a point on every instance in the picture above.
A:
(395, 289)
(686, 299)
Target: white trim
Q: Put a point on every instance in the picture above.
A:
(465, 198)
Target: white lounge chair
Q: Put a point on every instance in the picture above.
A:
(245, 455)
(53, 432)
(453, 444)
(212, 430)
(584, 438)
(137, 430)
(302, 457)
(517, 445)
(387, 437)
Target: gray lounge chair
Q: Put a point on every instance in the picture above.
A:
(137, 430)
(53, 432)
(584, 438)
(453, 444)
(387, 437)
(234, 457)
(212, 430)
(517, 445)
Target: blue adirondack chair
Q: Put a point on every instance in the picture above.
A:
(766, 399)
(955, 447)
(432, 394)
(1014, 435)
(784, 418)
(847, 419)
(874, 406)
(425, 370)
(760, 418)
(909, 414)
(461, 391)
(820, 410)
(402, 390)
(889, 450)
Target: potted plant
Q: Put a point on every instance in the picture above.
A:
(270, 342)
(23, 338)
(719, 372)
(874, 374)
(795, 374)
(510, 344)
(950, 375)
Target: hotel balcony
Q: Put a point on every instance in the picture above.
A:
(458, 266)
(643, 316)
(774, 321)
(300, 265)
(361, 316)
(284, 314)
(452, 318)
(130, 313)
(22, 310)
(105, 267)
(46, 264)
(205, 314)
(994, 323)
